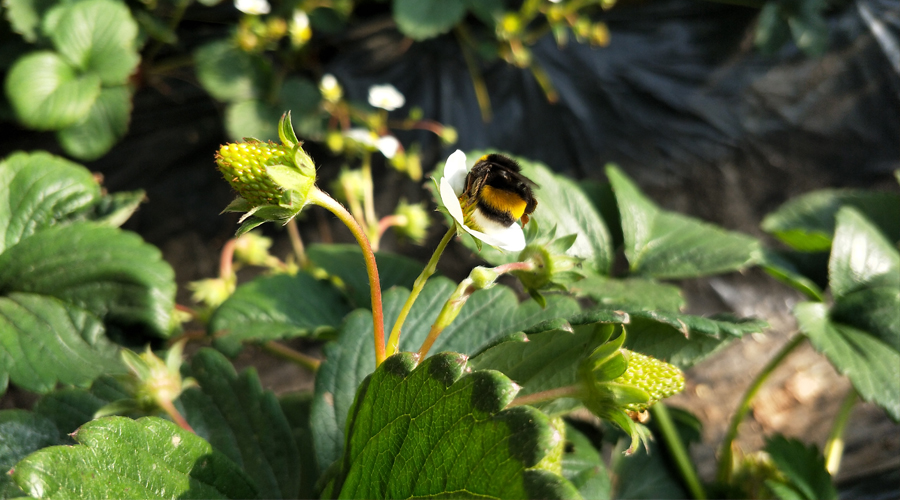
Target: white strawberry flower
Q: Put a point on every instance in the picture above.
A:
(453, 187)
(253, 7)
(386, 97)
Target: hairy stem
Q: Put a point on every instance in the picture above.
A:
(726, 456)
(172, 412)
(226, 259)
(676, 448)
(834, 447)
(282, 351)
(297, 244)
(418, 285)
(319, 197)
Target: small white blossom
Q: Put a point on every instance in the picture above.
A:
(330, 88)
(452, 186)
(388, 145)
(363, 137)
(253, 7)
(299, 27)
(386, 97)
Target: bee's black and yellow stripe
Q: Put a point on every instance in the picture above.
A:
(502, 194)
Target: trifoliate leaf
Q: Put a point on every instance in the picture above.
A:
(803, 467)
(21, 432)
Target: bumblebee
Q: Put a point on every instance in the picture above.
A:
(499, 191)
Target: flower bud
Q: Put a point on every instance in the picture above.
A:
(415, 223)
(212, 292)
(252, 249)
(552, 269)
(152, 383)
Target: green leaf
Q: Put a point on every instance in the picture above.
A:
(561, 205)
(864, 274)
(109, 272)
(487, 11)
(97, 37)
(114, 209)
(105, 124)
(683, 339)
(278, 307)
(630, 293)
(296, 408)
(230, 74)
(70, 408)
(38, 190)
(584, 467)
(872, 366)
(25, 17)
(547, 360)
(803, 467)
(667, 245)
(488, 314)
(423, 19)
(644, 474)
(347, 263)
(122, 458)
(406, 427)
(252, 118)
(244, 422)
(300, 96)
(807, 222)
(21, 432)
(47, 94)
(785, 271)
(44, 341)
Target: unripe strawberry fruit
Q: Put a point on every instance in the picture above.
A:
(244, 167)
(657, 378)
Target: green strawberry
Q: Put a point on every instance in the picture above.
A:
(658, 378)
(244, 167)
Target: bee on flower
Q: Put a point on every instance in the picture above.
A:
(489, 199)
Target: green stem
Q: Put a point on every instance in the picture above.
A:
(319, 197)
(481, 90)
(394, 339)
(548, 395)
(172, 412)
(834, 447)
(153, 50)
(676, 447)
(368, 194)
(726, 457)
(297, 244)
(284, 352)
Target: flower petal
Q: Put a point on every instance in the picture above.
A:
(451, 202)
(510, 239)
(455, 171)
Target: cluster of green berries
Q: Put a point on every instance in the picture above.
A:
(658, 378)
(244, 167)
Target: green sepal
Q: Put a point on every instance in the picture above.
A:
(286, 131)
